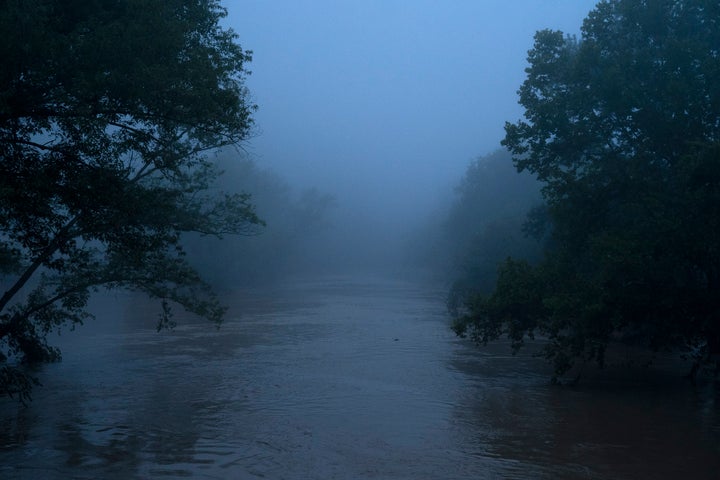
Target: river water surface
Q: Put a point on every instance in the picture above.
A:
(340, 378)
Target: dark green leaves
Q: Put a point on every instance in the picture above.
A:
(624, 128)
(106, 112)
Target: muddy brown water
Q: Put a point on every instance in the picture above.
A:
(340, 378)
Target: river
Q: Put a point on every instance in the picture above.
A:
(340, 378)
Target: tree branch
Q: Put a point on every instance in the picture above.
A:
(51, 248)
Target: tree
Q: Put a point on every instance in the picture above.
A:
(107, 112)
(484, 224)
(623, 126)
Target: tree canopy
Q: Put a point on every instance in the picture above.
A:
(623, 128)
(107, 112)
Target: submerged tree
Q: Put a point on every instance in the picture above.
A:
(623, 126)
(107, 110)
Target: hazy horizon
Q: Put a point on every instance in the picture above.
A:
(384, 103)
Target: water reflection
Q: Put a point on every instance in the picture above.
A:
(345, 379)
(615, 424)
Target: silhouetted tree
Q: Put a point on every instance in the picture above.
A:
(106, 111)
(623, 126)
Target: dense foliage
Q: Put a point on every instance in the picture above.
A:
(623, 126)
(106, 111)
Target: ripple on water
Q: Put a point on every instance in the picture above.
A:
(339, 379)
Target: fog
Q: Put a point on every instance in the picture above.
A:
(352, 312)
(384, 103)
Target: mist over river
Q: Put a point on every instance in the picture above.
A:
(339, 378)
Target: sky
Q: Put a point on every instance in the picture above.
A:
(385, 102)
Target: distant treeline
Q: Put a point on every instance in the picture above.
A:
(294, 221)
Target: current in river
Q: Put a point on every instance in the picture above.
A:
(340, 378)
